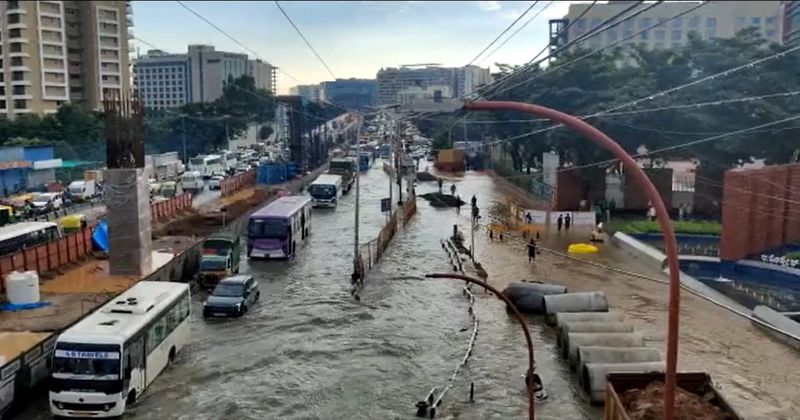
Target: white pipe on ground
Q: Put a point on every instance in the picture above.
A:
(594, 376)
(598, 354)
(561, 318)
(576, 302)
(575, 340)
(590, 327)
(546, 288)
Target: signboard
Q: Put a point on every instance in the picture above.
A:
(550, 163)
(579, 218)
(74, 354)
(386, 205)
(13, 164)
(47, 164)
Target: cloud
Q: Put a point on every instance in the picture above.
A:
(490, 6)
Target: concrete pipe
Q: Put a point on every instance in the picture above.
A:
(575, 302)
(526, 299)
(543, 288)
(587, 354)
(561, 318)
(590, 327)
(575, 340)
(594, 376)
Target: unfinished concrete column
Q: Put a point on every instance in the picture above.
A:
(130, 238)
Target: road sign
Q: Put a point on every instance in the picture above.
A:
(386, 205)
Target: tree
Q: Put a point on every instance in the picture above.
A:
(264, 132)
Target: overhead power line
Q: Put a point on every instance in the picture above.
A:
(539, 12)
(605, 25)
(229, 36)
(311, 47)
(593, 52)
(504, 32)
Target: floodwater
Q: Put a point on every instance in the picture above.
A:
(309, 350)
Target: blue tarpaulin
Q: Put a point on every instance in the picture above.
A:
(100, 237)
(10, 307)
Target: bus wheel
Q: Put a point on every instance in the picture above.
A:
(171, 355)
(131, 398)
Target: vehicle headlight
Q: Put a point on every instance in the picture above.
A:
(106, 407)
(238, 305)
(59, 405)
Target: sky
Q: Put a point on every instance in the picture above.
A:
(355, 38)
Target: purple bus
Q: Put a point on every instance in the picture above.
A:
(278, 228)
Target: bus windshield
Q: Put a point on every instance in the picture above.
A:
(268, 229)
(322, 191)
(96, 360)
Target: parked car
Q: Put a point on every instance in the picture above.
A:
(232, 297)
(214, 182)
(243, 168)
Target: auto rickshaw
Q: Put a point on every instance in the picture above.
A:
(7, 215)
(169, 189)
(72, 223)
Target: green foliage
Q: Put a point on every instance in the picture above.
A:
(695, 227)
(72, 131)
(602, 81)
(792, 255)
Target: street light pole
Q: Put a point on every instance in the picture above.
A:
(183, 126)
(356, 270)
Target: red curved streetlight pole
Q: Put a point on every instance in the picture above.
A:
(602, 140)
(520, 319)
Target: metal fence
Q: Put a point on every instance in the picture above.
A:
(235, 183)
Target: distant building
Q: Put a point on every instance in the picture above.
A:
(210, 69)
(350, 93)
(26, 168)
(263, 73)
(163, 80)
(790, 16)
(311, 93)
(717, 19)
(459, 80)
(57, 52)
(432, 93)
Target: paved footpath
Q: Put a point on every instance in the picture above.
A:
(759, 375)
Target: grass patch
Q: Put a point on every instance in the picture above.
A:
(795, 255)
(693, 227)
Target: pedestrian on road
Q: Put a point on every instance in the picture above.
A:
(440, 185)
(567, 222)
(458, 204)
(474, 201)
(528, 218)
(612, 205)
(453, 189)
(532, 251)
(560, 222)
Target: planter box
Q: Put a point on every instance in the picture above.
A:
(694, 382)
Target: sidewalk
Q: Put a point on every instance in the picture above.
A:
(758, 374)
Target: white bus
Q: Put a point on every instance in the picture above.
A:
(104, 362)
(208, 166)
(326, 190)
(229, 160)
(17, 236)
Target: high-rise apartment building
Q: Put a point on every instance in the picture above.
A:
(716, 19)
(790, 13)
(460, 80)
(263, 74)
(210, 69)
(54, 52)
(163, 80)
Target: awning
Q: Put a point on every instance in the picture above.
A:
(68, 164)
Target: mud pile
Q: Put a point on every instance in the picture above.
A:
(648, 403)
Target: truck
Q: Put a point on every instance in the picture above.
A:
(95, 175)
(82, 190)
(220, 259)
(347, 168)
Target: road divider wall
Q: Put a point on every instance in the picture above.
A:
(235, 183)
(50, 256)
(165, 210)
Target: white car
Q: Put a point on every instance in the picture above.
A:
(48, 201)
(214, 182)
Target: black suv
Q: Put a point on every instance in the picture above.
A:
(232, 296)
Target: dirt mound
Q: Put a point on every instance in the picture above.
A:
(648, 403)
(443, 200)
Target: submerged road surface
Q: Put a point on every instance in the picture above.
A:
(308, 350)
